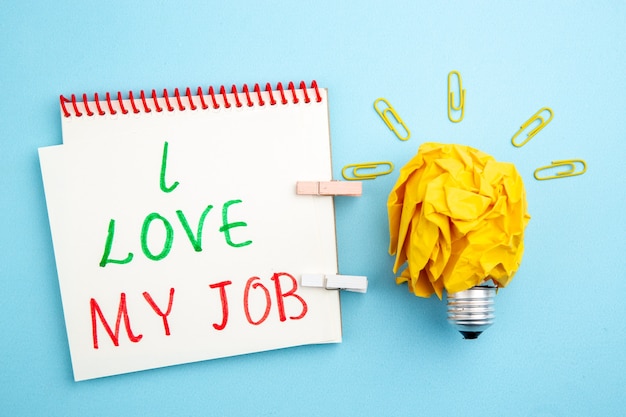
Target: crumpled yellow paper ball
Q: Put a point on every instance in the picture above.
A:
(456, 218)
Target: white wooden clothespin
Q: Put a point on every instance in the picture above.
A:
(344, 188)
(355, 283)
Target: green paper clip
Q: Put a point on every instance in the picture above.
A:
(542, 123)
(383, 114)
(357, 168)
(451, 105)
(570, 172)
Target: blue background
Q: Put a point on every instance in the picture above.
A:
(559, 343)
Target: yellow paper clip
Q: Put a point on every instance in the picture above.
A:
(383, 114)
(451, 105)
(357, 168)
(570, 172)
(542, 123)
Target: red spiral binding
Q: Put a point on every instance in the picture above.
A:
(247, 93)
(268, 88)
(223, 93)
(89, 112)
(178, 101)
(158, 108)
(111, 109)
(191, 103)
(204, 105)
(100, 111)
(257, 89)
(132, 102)
(212, 94)
(143, 101)
(282, 93)
(167, 100)
(234, 91)
(292, 87)
(119, 99)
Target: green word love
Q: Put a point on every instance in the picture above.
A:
(194, 239)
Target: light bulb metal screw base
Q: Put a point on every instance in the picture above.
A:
(472, 311)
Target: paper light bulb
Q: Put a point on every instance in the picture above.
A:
(456, 220)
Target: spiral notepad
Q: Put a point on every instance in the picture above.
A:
(177, 232)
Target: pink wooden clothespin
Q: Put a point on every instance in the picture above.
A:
(342, 188)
